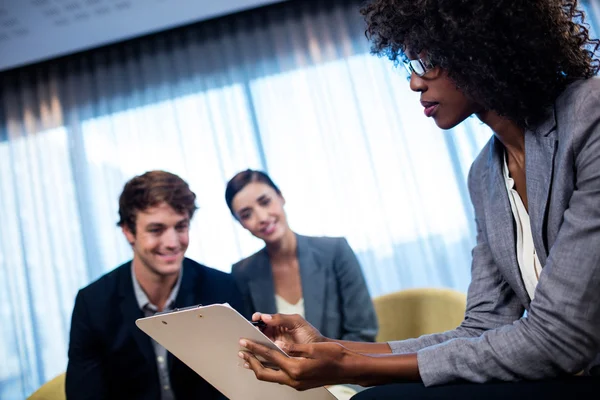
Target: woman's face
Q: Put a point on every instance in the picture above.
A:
(259, 208)
(441, 99)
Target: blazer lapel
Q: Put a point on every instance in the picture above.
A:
(262, 287)
(312, 276)
(501, 235)
(540, 146)
(131, 312)
(189, 289)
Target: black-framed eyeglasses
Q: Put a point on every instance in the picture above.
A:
(418, 66)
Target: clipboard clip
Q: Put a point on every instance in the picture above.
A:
(178, 309)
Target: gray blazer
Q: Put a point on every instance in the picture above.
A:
(336, 299)
(560, 333)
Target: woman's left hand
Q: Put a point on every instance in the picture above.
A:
(309, 365)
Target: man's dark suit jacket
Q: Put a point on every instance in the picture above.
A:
(110, 358)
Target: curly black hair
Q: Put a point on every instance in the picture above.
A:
(511, 56)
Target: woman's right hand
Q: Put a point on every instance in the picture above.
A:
(285, 329)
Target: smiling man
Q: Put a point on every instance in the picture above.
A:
(109, 357)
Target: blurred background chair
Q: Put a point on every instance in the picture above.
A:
(54, 389)
(411, 313)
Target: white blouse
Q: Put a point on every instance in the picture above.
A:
(283, 307)
(529, 264)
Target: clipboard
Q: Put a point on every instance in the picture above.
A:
(206, 339)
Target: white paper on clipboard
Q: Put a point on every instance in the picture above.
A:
(207, 338)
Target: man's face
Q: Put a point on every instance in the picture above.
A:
(160, 240)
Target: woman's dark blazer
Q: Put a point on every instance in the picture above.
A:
(336, 298)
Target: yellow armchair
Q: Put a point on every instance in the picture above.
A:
(414, 312)
(54, 389)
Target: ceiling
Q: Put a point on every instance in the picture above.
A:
(35, 30)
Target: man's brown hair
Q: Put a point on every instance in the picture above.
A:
(151, 189)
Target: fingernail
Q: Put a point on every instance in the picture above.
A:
(241, 355)
(246, 365)
(266, 317)
(243, 343)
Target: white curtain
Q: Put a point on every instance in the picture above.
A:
(290, 89)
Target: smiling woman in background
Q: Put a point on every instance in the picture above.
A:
(318, 278)
(525, 69)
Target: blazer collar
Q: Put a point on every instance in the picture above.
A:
(131, 312)
(188, 294)
(547, 125)
(501, 235)
(261, 284)
(540, 149)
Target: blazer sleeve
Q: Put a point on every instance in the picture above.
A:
(491, 302)
(359, 319)
(85, 371)
(560, 333)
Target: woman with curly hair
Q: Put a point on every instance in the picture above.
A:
(526, 69)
